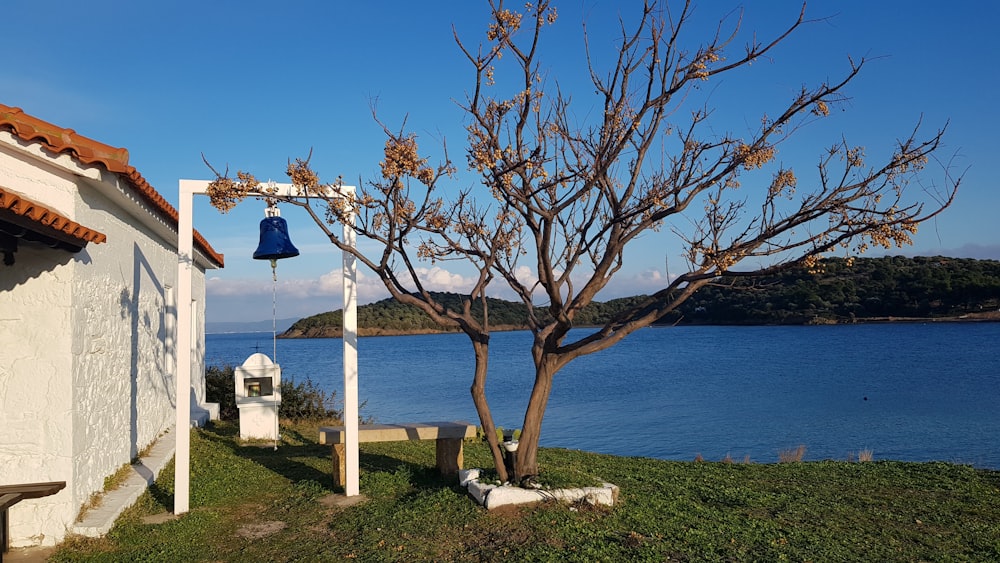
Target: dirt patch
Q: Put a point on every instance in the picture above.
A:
(28, 554)
(159, 518)
(510, 512)
(260, 529)
(341, 500)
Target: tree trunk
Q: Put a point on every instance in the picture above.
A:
(527, 447)
(478, 391)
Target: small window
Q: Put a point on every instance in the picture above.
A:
(259, 387)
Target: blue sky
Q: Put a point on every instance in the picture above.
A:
(250, 84)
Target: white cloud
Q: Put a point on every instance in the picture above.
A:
(644, 282)
(526, 276)
(251, 300)
(221, 287)
(246, 300)
(439, 279)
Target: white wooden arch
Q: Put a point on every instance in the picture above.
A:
(185, 265)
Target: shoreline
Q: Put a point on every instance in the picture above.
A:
(336, 332)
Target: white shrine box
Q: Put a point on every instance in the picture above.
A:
(258, 397)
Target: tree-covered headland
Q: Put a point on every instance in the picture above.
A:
(837, 291)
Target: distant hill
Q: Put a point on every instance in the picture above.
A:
(893, 288)
(868, 290)
(252, 326)
(389, 317)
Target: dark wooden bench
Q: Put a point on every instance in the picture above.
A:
(13, 494)
(449, 437)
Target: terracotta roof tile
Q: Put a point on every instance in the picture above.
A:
(38, 213)
(88, 151)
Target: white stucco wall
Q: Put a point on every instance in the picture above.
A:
(123, 395)
(35, 396)
(86, 350)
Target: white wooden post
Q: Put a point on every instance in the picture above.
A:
(185, 318)
(350, 332)
(182, 422)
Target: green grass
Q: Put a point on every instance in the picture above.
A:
(813, 511)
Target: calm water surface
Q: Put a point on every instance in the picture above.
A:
(914, 392)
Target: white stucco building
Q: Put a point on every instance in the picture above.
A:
(88, 268)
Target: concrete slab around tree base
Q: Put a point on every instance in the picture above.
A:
(493, 496)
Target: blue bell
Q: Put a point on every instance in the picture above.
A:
(274, 242)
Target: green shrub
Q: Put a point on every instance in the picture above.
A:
(220, 387)
(306, 401)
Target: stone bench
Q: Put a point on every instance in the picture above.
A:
(449, 437)
(13, 494)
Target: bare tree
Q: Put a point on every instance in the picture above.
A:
(397, 210)
(568, 196)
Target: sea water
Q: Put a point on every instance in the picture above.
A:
(918, 392)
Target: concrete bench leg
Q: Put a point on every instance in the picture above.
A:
(449, 456)
(339, 465)
(449, 453)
